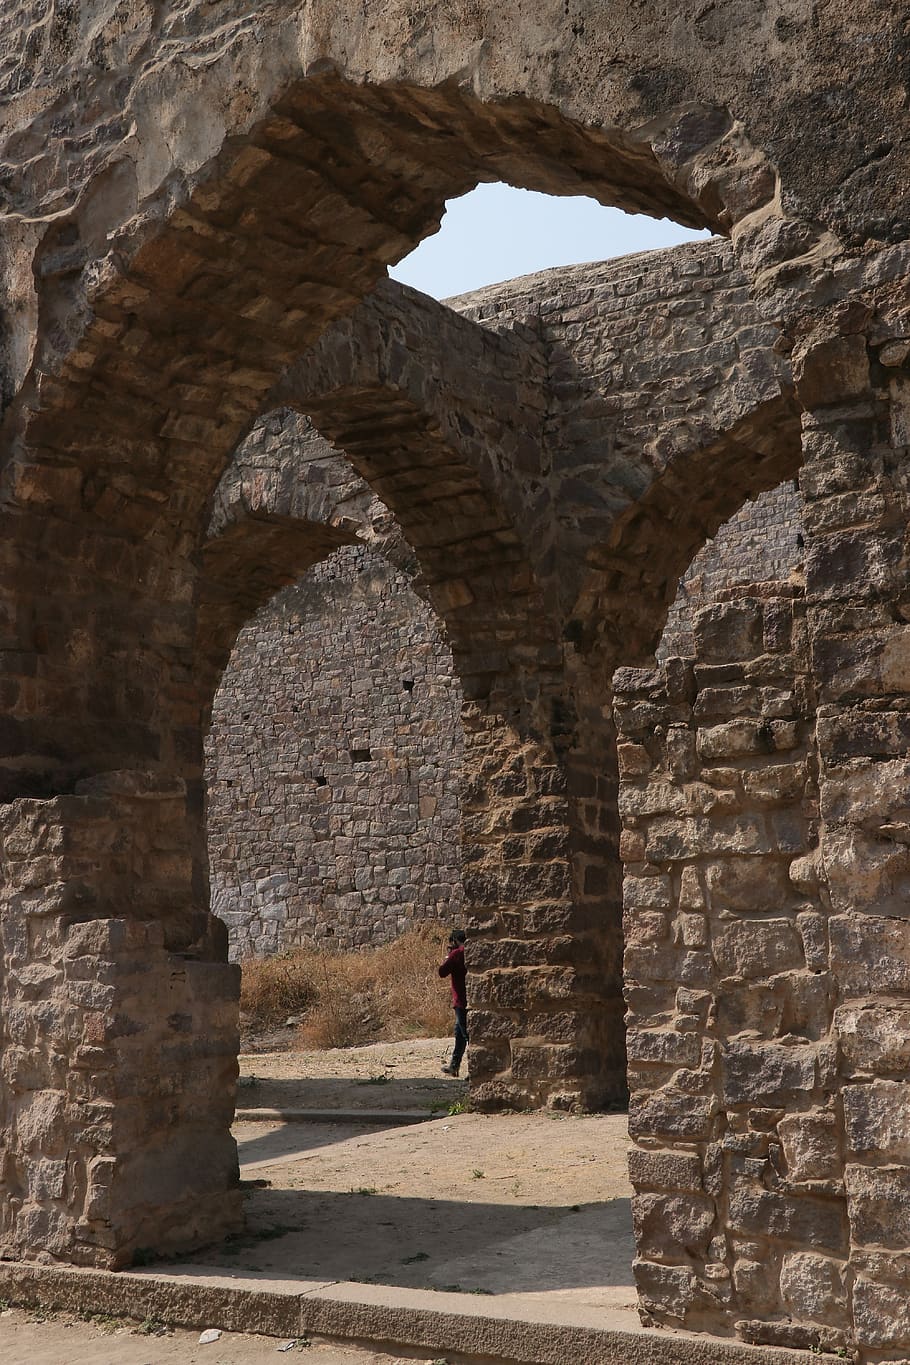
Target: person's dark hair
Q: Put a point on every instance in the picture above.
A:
(457, 936)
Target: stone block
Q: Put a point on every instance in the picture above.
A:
(634, 760)
(847, 733)
(745, 738)
(881, 1315)
(870, 955)
(754, 949)
(878, 1205)
(808, 1221)
(682, 759)
(751, 884)
(813, 1287)
(691, 895)
(868, 868)
(775, 782)
(665, 1169)
(813, 930)
(663, 1047)
(833, 371)
(693, 930)
(725, 631)
(811, 1146)
(670, 1226)
(646, 927)
(877, 1119)
(671, 1114)
(755, 1284)
(874, 1038)
(647, 893)
(681, 840)
(665, 1289)
(766, 1073)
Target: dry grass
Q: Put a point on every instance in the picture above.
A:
(382, 994)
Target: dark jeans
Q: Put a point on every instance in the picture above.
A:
(461, 1035)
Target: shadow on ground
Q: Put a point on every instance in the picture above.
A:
(260, 1144)
(430, 1244)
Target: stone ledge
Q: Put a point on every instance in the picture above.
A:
(514, 1328)
(389, 1118)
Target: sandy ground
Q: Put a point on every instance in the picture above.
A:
(381, 1076)
(61, 1340)
(534, 1204)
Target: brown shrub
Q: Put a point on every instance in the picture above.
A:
(271, 988)
(381, 994)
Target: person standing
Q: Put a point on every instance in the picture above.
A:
(454, 968)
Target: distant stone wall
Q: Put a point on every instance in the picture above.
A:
(334, 763)
(762, 543)
(307, 842)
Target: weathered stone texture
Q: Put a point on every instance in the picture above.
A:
(118, 1052)
(335, 765)
(200, 204)
(732, 1045)
(760, 543)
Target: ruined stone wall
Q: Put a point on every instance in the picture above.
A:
(119, 1053)
(334, 765)
(303, 842)
(762, 543)
(734, 1111)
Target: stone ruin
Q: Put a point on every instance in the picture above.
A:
(333, 763)
(199, 207)
(334, 758)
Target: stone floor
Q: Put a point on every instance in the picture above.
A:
(488, 1205)
(525, 1203)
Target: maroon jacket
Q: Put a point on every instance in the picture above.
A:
(455, 968)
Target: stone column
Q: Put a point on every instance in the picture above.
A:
(739, 1219)
(542, 890)
(118, 1032)
(856, 483)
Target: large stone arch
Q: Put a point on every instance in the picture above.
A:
(147, 326)
(457, 418)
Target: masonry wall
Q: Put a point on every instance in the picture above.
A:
(735, 1108)
(334, 764)
(305, 842)
(762, 543)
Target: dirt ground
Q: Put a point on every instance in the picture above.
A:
(61, 1340)
(484, 1204)
(382, 1076)
(534, 1204)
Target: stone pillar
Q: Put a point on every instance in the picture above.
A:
(542, 887)
(856, 483)
(768, 960)
(739, 1215)
(118, 1032)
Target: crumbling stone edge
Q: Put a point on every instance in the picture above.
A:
(351, 1312)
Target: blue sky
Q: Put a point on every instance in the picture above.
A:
(497, 232)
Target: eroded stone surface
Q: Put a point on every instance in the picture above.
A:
(199, 199)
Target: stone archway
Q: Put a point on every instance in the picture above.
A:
(156, 297)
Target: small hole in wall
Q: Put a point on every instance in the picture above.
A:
(360, 755)
(328, 931)
(408, 684)
(320, 779)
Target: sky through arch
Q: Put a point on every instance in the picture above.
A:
(498, 232)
